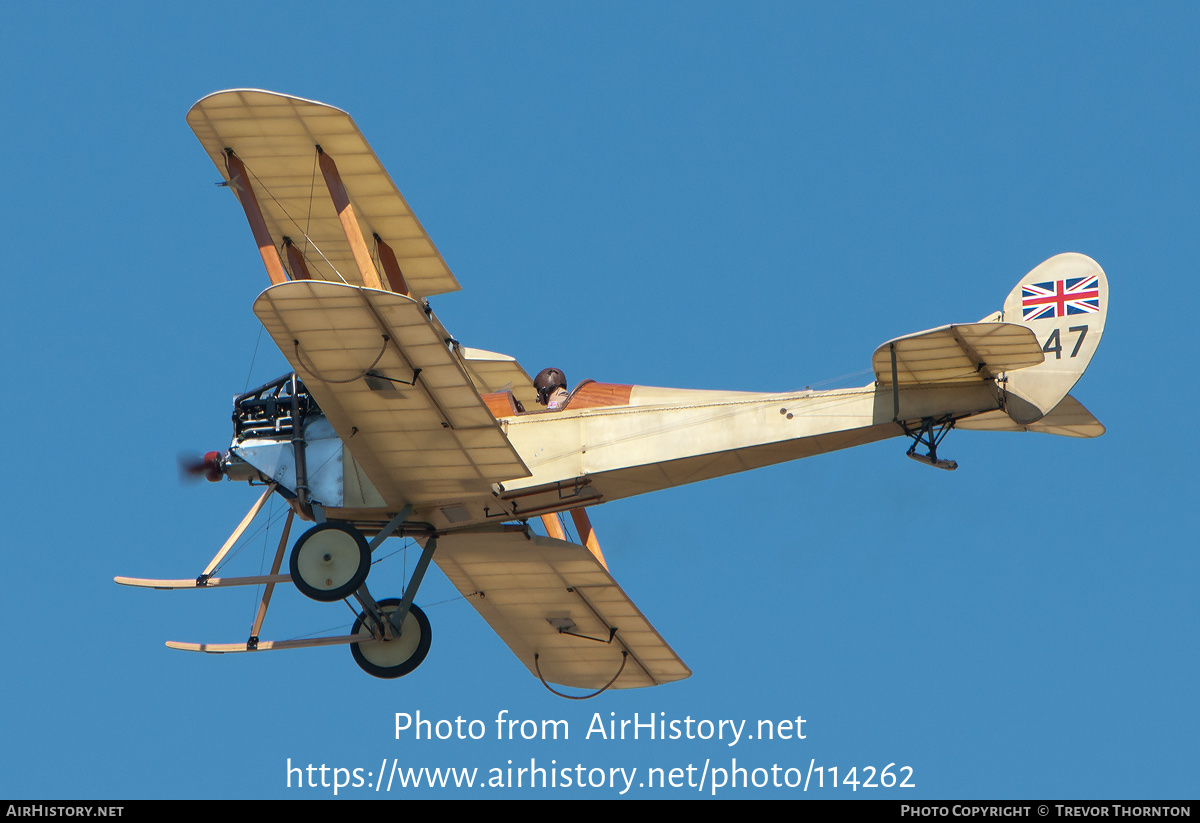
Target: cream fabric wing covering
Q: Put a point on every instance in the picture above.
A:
(276, 136)
(527, 586)
(429, 442)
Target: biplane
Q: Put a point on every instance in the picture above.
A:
(387, 426)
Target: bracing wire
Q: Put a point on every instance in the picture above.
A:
(295, 223)
(253, 357)
(308, 221)
(258, 590)
(244, 541)
(854, 374)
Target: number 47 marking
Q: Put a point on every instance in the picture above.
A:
(1054, 344)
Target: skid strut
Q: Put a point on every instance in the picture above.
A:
(252, 642)
(233, 538)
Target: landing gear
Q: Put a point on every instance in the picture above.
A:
(395, 657)
(330, 561)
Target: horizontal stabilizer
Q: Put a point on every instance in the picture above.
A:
(960, 353)
(1069, 419)
(555, 599)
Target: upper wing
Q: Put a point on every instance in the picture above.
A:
(276, 137)
(960, 353)
(393, 389)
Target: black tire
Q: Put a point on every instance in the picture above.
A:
(330, 561)
(393, 658)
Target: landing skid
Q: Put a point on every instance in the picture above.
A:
(209, 583)
(329, 562)
(265, 645)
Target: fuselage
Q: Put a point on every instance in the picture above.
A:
(614, 441)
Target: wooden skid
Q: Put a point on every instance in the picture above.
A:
(211, 583)
(267, 645)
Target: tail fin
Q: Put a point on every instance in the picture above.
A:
(1064, 301)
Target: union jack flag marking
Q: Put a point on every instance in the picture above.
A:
(1059, 298)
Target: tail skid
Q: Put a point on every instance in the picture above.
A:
(1024, 359)
(930, 434)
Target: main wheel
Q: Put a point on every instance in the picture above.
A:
(398, 657)
(330, 561)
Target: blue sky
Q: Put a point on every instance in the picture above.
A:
(741, 196)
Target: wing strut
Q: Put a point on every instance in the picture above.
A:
(296, 260)
(895, 386)
(391, 267)
(587, 535)
(583, 527)
(239, 181)
(354, 235)
(553, 526)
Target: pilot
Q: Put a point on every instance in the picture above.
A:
(551, 385)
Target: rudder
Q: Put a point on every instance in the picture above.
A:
(1064, 301)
